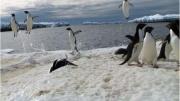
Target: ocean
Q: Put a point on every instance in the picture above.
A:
(91, 37)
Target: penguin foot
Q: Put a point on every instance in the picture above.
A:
(155, 66)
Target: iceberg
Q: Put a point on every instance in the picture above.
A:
(157, 18)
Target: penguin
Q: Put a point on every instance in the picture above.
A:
(125, 8)
(174, 35)
(14, 25)
(73, 40)
(134, 47)
(58, 64)
(149, 52)
(29, 21)
(139, 27)
(165, 49)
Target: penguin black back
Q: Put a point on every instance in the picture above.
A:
(58, 64)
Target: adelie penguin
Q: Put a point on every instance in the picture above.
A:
(174, 36)
(14, 25)
(29, 21)
(125, 8)
(134, 47)
(58, 64)
(149, 52)
(73, 40)
(165, 49)
(135, 38)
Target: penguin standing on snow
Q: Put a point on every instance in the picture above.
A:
(149, 52)
(134, 48)
(136, 38)
(174, 34)
(14, 25)
(29, 21)
(73, 40)
(125, 8)
(165, 49)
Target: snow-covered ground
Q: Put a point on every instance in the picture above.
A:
(98, 77)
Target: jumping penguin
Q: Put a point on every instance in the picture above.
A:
(174, 34)
(14, 25)
(72, 40)
(58, 64)
(149, 52)
(135, 46)
(125, 8)
(29, 21)
(165, 49)
(136, 37)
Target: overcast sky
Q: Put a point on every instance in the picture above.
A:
(77, 11)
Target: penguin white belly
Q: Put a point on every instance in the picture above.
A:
(175, 46)
(136, 52)
(125, 9)
(29, 24)
(149, 52)
(168, 50)
(14, 27)
(72, 40)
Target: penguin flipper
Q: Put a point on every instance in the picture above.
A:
(77, 32)
(25, 20)
(121, 51)
(120, 6)
(35, 17)
(131, 4)
(130, 37)
(129, 53)
(162, 52)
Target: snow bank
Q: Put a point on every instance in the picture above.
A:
(98, 77)
(157, 18)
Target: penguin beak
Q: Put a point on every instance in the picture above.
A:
(70, 63)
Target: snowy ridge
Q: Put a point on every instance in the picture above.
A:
(157, 18)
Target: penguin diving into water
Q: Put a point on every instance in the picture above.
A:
(174, 36)
(60, 63)
(165, 49)
(149, 52)
(125, 8)
(29, 21)
(14, 25)
(136, 38)
(134, 47)
(73, 40)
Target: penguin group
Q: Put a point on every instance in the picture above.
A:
(28, 21)
(145, 49)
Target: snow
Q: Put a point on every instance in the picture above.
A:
(157, 17)
(98, 77)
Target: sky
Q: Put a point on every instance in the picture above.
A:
(78, 11)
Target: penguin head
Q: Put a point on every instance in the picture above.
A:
(141, 26)
(26, 12)
(13, 15)
(174, 27)
(68, 29)
(148, 29)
